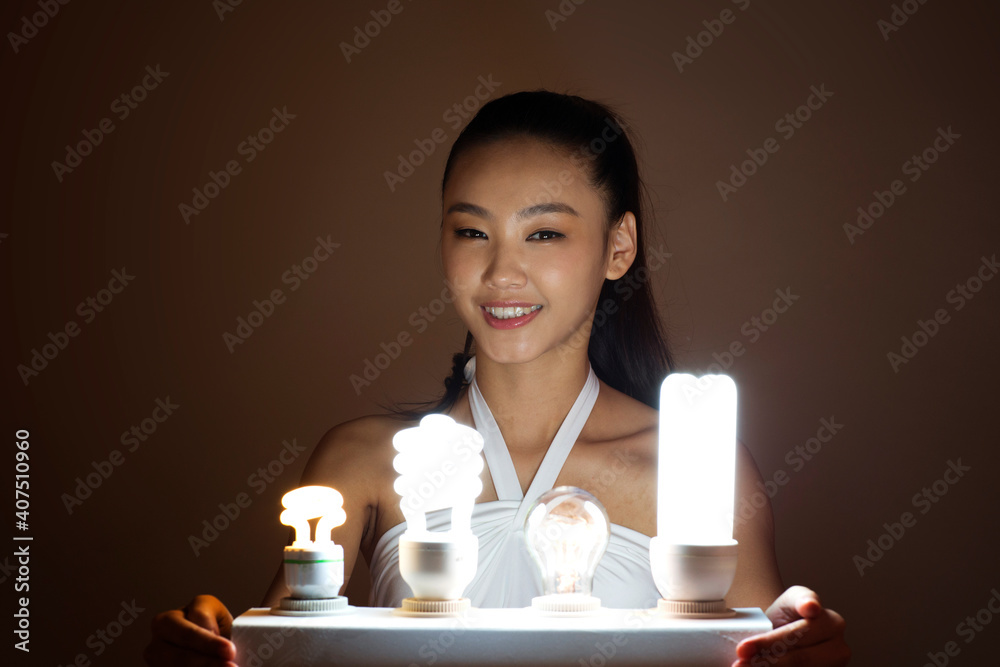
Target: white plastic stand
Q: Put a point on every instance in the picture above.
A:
(375, 636)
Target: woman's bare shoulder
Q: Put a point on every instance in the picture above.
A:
(623, 418)
(357, 445)
(367, 429)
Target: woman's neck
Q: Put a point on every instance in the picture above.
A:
(529, 401)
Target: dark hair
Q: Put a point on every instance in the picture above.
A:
(627, 347)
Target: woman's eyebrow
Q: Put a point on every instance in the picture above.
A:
(529, 212)
(548, 207)
(471, 209)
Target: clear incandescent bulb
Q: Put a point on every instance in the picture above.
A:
(567, 532)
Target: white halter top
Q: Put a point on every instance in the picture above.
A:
(506, 575)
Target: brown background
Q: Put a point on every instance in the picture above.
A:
(323, 176)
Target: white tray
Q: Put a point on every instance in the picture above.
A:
(370, 636)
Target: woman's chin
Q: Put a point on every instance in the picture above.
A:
(507, 354)
(526, 354)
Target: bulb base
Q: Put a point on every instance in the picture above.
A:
(692, 578)
(433, 608)
(315, 572)
(566, 603)
(691, 609)
(438, 566)
(318, 607)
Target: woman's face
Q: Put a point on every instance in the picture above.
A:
(524, 248)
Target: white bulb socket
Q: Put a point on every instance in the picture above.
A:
(566, 604)
(693, 578)
(438, 568)
(314, 572)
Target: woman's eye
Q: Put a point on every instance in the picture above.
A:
(546, 235)
(470, 233)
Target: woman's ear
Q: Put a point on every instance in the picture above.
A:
(621, 247)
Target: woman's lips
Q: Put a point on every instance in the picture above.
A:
(509, 319)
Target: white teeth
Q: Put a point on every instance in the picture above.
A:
(511, 312)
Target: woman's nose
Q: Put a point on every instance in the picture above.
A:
(504, 270)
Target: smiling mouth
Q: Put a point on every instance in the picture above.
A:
(510, 312)
(510, 317)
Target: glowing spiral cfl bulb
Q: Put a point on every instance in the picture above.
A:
(439, 463)
(567, 532)
(693, 556)
(314, 569)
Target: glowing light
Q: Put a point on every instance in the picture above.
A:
(310, 502)
(314, 570)
(439, 464)
(693, 556)
(697, 459)
(567, 532)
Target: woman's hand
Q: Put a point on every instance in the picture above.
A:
(196, 636)
(805, 633)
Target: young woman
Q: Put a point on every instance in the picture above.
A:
(543, 246)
